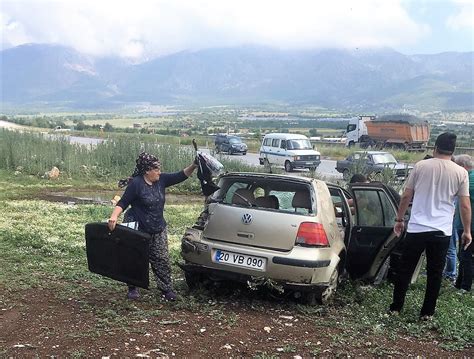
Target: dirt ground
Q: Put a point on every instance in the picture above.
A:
(41, 324)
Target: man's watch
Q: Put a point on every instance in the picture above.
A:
(398, 219)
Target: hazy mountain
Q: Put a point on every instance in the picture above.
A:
(357, 79)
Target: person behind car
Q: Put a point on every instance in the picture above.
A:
(464, 278)
(432, 185)
(145, 193)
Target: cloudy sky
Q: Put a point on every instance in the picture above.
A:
(142, 29)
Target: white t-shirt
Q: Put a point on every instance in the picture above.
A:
(436, 183)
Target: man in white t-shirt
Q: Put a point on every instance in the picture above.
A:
(432, 185)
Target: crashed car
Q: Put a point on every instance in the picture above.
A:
(298, 232)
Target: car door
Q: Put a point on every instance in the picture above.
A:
(371, 239)
(274, 151)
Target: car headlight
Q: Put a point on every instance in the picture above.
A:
(296, 158)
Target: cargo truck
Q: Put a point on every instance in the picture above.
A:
(393, 131)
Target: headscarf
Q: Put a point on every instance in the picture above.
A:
(145, 162)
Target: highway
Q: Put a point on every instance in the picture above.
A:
(327, 168)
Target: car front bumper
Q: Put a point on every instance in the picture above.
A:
(306, 164)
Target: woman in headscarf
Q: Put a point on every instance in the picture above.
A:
(145, 192)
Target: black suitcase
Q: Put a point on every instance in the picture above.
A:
(121, 255)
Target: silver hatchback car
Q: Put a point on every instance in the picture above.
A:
(296, 231)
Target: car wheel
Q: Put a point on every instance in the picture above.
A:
(193, 279)
(346, 174)
(288, 167)
(244, 153)
(328, 294)
(218, 149)
(324, 297)
(229, 152)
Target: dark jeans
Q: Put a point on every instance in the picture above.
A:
(435, 244)
(464, 279)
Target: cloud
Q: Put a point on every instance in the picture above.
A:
(148, 28)
(464, 17)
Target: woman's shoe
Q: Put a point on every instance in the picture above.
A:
(169, 295)
(133, 293)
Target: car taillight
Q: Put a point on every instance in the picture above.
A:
(312, 235)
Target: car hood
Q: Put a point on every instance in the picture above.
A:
(303, 152)
(252, 227)
(397, 166)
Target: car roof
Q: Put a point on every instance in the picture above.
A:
(373, 152)
(286, 136)
(270, 176)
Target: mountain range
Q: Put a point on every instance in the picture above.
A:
(369, 79)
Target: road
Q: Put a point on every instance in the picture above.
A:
(327, 168)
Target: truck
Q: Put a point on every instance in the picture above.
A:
(391, 131)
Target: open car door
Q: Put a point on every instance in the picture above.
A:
(371, 239)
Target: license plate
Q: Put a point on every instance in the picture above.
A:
(239, 260)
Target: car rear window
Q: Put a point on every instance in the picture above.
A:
(267, 194)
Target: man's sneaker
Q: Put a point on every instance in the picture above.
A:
(426, 318)
(133, 293)
(169, 295)
(393, 313)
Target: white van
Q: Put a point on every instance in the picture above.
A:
(288, 150)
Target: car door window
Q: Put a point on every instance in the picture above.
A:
(374, 209)
(369, 209)
(275, 142)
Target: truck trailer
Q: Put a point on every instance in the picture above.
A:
(393, 131)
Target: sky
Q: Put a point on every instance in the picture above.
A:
(144, 29)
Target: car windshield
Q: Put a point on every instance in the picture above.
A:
(382, 158)
(266, 194)
(302, 144)
(234, 140)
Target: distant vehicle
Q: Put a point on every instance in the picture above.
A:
(288, 150)
(392, 131)
(372, 164)
(299, 232)
(230, 144)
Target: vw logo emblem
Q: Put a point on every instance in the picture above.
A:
(247, 218)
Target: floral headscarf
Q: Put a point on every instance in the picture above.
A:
(145, 162)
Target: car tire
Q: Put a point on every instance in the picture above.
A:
(229, 152)
(218, 149)
(346, 174)
(244, 153)
(328, 294)
(193, 279)
(288, 166)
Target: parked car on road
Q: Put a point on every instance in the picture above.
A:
(372, 164)
(230, 144)
(296, 231)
